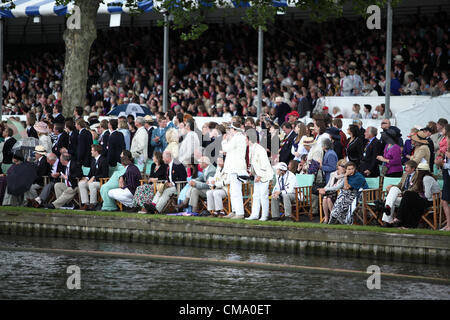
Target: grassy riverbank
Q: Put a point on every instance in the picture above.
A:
(126, 215)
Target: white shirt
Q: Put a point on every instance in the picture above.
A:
(170, 171)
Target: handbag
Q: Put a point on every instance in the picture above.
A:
(318, 185)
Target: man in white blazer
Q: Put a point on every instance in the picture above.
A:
(263, 173)
(234, 144)
(139, 144)
(284, 190)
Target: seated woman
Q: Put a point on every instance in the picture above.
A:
(144, 194)
(414, 203)
(392, 156)
(330, 190)
(127, 184)
(351, 184)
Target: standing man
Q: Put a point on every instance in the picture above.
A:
(84, 144)
(369, 165)
(10, 141)
(261, 170)
(104, 136)
(62, 139)
(73, 138)
(31, 120)
(286, 145)
(139, 144)
(234, 144)
(116, 144)
(91, 184)
(158, 140)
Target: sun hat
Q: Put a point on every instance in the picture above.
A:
(40, 149)
(423, 166)
(420, 137)
(279, 99)
(41, 127)
(309, 141)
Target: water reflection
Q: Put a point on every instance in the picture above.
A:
(30, 275)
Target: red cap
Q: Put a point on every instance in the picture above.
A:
(325, 108)
(294, 113)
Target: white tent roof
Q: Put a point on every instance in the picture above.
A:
(29, 8)
(421, 114)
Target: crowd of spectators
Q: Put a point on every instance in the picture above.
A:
(214, 161)
(216, 75)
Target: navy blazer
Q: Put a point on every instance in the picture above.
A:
(61, 142)
(43, 169)
(84, 148)
(369, 158)
(73, 143)
(116, 144)
(99, 169)
(32, 133)
(103, 141)
(285, 151)
(178, 173)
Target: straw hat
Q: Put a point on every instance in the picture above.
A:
(148, 118)
(420, 137)
(423, 166)
(309, 141)
(40, 150)
(279, 99)
(398, 58)
(41, 127)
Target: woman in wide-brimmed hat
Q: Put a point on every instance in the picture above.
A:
(42, 131)
(392, 155)
(421, 149)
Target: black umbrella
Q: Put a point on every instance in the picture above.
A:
(20, 178)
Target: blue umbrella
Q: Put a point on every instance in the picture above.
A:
(130, 108)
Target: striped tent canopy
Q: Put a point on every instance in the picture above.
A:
(31, 8)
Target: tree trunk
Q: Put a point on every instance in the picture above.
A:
(78, 47)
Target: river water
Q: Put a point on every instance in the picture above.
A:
(33, 275)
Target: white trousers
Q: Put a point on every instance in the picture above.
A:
(260, 199)
(124, 196)
(237, 202)
(393, 199)
(214, 199)
(88, 191)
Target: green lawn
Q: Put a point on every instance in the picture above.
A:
(211, 219)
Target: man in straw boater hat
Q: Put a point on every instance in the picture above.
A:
(43, 170)
(284, 190)
(234, 145)
(421, 149)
